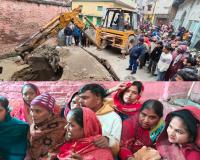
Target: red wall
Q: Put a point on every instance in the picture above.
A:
(19, 20)
(62, 90)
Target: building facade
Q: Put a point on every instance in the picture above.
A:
(95, 10)
(188, 16)
(157, 11)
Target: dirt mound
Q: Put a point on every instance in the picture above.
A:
(49, 53)
(43, 65)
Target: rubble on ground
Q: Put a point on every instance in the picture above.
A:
(43, 65)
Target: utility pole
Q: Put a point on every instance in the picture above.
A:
(153, 15)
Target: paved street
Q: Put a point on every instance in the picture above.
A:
(120, 65)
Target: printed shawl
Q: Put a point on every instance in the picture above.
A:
(46, 137)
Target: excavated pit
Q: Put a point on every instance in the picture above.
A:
(55, 63)
(43, 66)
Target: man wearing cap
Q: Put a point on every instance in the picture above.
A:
(135, 52)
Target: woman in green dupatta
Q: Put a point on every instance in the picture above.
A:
(13, 134)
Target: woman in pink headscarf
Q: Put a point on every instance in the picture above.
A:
(72, 103)
(147, 41)
(29, 92)
(180, 139)
(83, 129)
(177, 61)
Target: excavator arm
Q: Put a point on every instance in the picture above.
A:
(52, 28)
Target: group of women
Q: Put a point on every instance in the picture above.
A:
(40, 130)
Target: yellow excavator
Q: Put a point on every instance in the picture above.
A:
(116, 31)
(52, 28)
(118, 28)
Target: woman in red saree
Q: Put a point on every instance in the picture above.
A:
(180, 139)
(142, 129)
(126, 101)
(82, 129)
(29, 92)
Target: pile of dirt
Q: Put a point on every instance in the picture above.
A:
(43, 65)
(49, 53)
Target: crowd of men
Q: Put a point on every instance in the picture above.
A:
(80, 38)
(166, 51)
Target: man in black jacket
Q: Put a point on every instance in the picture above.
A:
(154, 57)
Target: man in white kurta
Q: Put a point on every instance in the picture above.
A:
(93, 97)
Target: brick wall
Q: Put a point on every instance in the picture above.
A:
(64, 3)
(62, 90)
(20, 19)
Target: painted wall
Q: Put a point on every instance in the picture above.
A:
(129, 3)
(62, 90)
(19, 20)
(90, 8)
(163, 6)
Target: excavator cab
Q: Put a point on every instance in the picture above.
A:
(120, 19)
(118, 29)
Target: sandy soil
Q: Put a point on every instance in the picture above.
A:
(9, 68)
